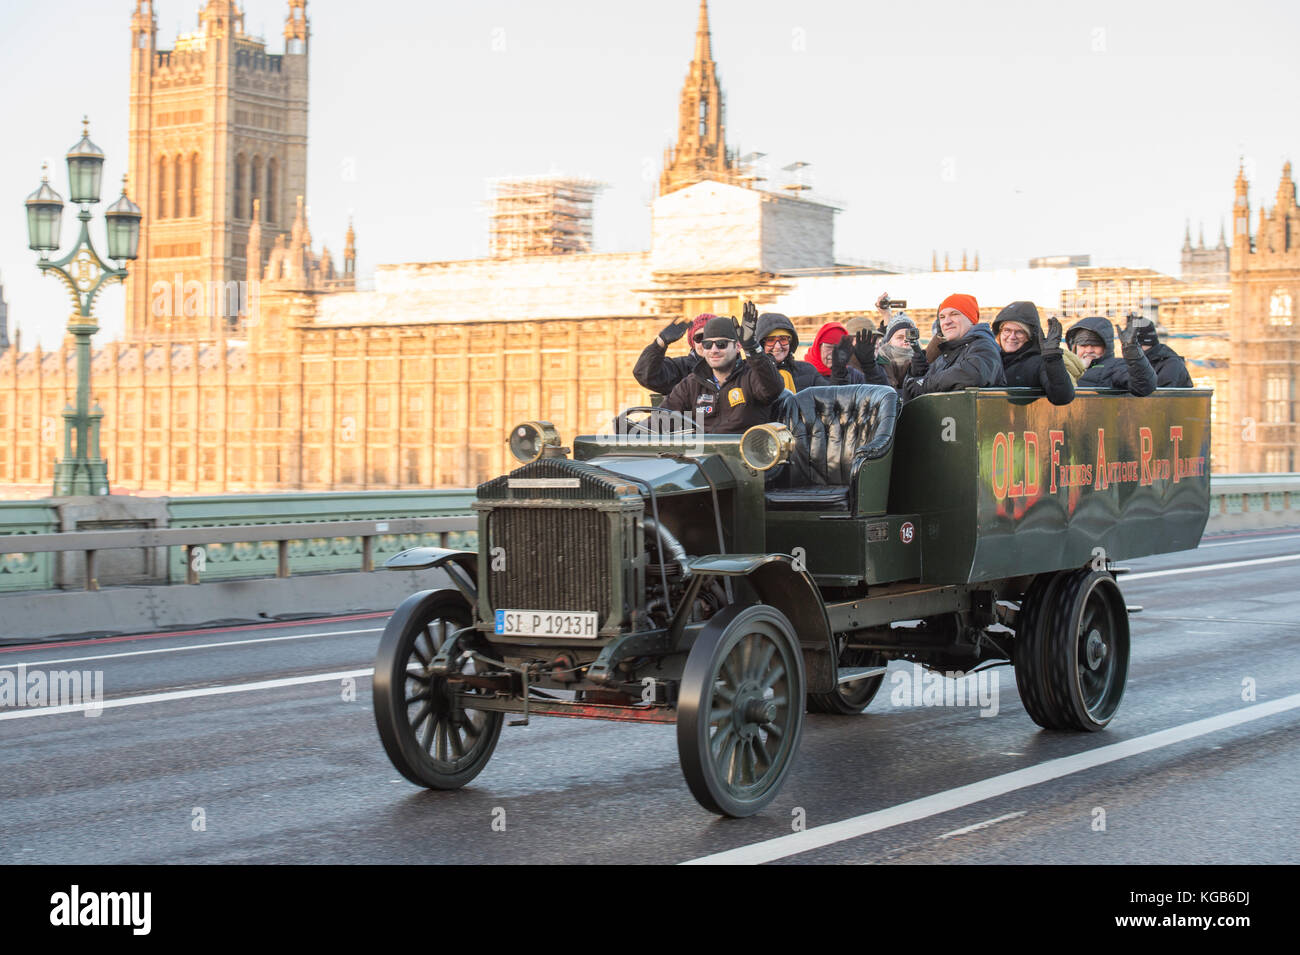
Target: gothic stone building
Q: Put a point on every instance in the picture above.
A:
(313, 383)
(1265, 272)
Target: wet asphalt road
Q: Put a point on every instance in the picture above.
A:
(295, 773)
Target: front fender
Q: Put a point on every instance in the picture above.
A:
(460, 565)
(795, 594)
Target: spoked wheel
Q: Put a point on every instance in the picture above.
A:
(1084, 652)
(848, 699)
(740, 709)
(428, 726)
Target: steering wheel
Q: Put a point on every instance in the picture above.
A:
(645, 420)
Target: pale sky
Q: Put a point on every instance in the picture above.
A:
(1015, 128)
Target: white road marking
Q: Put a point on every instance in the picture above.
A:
(821, 836)
(1251, 540)
(983, 825)
(1204, 568)
(186, 694)
(194, 646)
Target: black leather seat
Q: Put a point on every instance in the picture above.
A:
(836, 428)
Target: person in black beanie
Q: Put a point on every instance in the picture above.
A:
(1170, 368)
(728, 393)
(1029, 359)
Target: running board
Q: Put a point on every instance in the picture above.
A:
(854, 674)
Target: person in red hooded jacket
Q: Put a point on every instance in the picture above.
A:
(833, 348)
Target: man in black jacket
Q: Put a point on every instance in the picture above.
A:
(1170, 369)
(968, 358)
(728, 393)
(1093, 340)
(1028, 359)
(660, 375)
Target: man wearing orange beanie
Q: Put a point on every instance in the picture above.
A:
(969, 356)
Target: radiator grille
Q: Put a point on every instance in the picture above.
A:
(555, 559)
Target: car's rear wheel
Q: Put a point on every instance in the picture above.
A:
(1072, 670)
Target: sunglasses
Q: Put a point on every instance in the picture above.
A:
(718, 344)
(777, 340)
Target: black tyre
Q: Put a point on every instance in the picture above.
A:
(1084, 653)
(849, 699)
(740, 709)
(429, 729)
(1031, 647)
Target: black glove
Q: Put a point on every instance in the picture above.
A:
(919, 364)
(1052, 343)
(882, 328)
(748, 345)
(840, 356)
(673, 332)
(1128, 334)
(748, 327)
(864, 347)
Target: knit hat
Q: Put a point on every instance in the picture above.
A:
(1085, 336)
(698, 325)
(965, 304)
(717, 327)
(897, 322)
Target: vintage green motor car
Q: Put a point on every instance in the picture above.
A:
(726, 583)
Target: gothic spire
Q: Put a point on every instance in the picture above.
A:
(703, 39)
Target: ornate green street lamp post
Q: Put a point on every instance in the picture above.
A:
(82, 470)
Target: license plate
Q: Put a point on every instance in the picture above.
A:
(546, 623)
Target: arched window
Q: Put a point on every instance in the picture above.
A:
(161, 211)
(178, 187)
(272, 174)
(194, 184)
(240, 173)
(1279, 308)
(254, 183)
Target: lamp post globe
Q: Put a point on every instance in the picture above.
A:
(85, 167)
(44, 216)
(122, 219)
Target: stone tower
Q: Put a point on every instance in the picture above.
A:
(1265, 332)
(701, 150)
(1202, 265)
(4, 321)
(216, 123)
